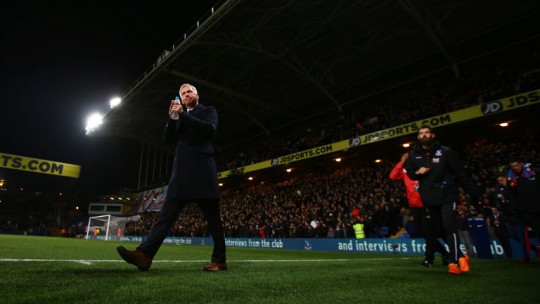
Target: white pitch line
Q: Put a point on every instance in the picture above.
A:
(90, 262)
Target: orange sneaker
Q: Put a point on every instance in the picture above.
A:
(453, 268)
(466, 256)
(464, 264)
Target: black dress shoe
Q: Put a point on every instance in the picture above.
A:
(135, 257)
(213, 267)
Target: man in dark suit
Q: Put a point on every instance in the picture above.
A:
(193, 179)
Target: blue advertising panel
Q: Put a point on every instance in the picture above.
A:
(370, 245)
(480, 237)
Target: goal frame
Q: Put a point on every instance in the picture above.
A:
(107, 225)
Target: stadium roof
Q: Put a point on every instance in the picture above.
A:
(267, 65)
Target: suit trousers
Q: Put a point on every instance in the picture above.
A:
(169, 214)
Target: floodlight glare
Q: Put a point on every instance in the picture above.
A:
(115, 102)
(93, 122)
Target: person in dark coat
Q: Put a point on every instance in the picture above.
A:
(421, 219)
(525, 188)
(193, 179)
(440, 172)
(511, 217)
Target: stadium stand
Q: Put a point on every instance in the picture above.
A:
(419, 83)
(510, 72)
(17, 220)
(269, 75)
(327, 198)
(288, 208)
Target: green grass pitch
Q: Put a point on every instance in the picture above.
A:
(61, 270)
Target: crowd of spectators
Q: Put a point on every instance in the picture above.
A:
(322, 204)
(21, 222)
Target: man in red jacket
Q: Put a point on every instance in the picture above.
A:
(417, 209)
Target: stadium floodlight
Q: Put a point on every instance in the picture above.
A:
(114, 102)
(93, 122)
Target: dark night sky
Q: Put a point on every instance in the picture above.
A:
(60, 60)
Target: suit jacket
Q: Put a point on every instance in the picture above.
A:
(194, 173)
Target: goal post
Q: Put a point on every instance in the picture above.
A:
(105, 227)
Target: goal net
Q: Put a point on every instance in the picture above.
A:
(106, 227)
